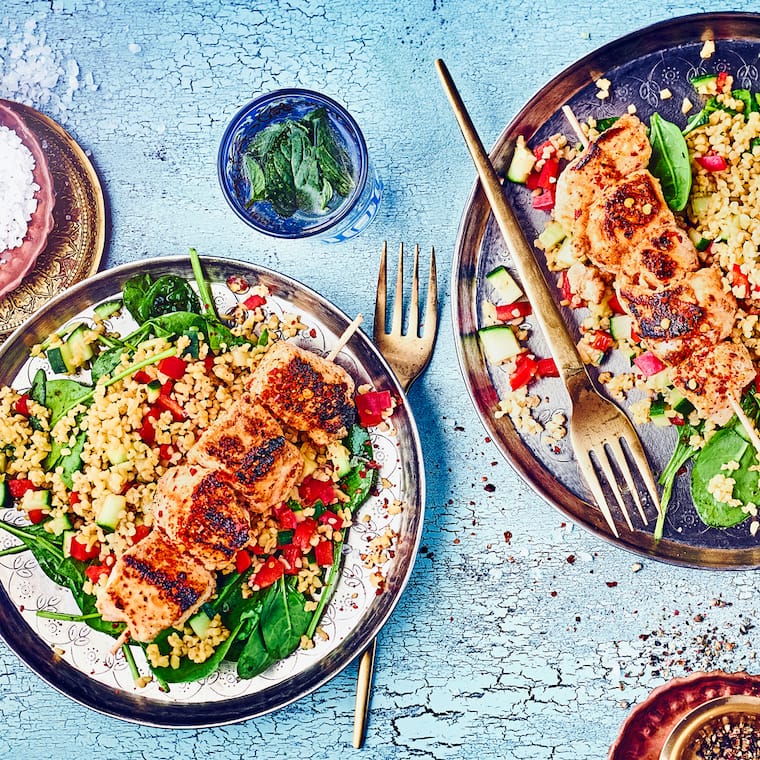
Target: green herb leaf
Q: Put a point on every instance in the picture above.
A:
(283, 619)
(670, 161)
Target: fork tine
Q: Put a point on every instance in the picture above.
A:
(604, 463)
(413, 319)
(640, 459)
(622, 463)
(589, 474)
(381, 286)
(398, 298)
(431, 306)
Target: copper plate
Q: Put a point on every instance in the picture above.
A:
(639, 66)
(75, 245)
(648, 728)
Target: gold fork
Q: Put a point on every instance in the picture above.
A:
(408, 354)
(597, 426)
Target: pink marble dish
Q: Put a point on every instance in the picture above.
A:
(645, 731)
(20, 260)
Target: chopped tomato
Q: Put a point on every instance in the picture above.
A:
(254, 301)
(74, 498)
(515, 310)
(147, 432)
(36, 516)
(93, 572)
(286, 517)
(712, 162)
(547, 368)
(721, 81)
(544, 201)
(141, 531)
(330, 518)
(271, 571)
(373, 406)
(677, 420)
(739, 279)
(531, 181)
(547, 178)
(602, 341)
(312, 490)
(303, 534)
(242, 561)
(79, 550)
(525, 370)
(141, 376)
(173, 367)
(545, 147)
(21, 405)
(564, 287)
(323, 553)
(19, 486)
(291, 554)
(171, 405)
(208, 363)
(165, 452)
(614, 303)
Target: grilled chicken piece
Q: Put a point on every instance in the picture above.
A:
(691, 313)
(200, 513)
(305, 392)
(153, 586)
(623, 217)
(248, 445)
(711, 376)
(665, 255)
(616, 153)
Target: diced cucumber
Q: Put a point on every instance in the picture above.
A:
(111, 511)
(116, 453)
(153, 390)
(341, 457)
(657, 412)
(5, 495)
(107, 309)
(504, 284)
(80, 343)
(552, 235)
(705, 84)
(59, 524)
(40, 499)
(68, 535)
(194, 346)
(620, 327)
(499, 342)
(61, 361)
(3, 462)
(700, 204)
(700, 243)
(680, 403)
(200, 623)
(522, 162)
(660, 381)
(565, 256)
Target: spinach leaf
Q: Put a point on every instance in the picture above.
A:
(169, 293)
(726, 445)
(63, 394)
(134, 291)
(604, 124)
(38, 393)
(105, 363)
(670, 161)
(254, 657)
(283, 619)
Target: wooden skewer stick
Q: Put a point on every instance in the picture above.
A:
(119, 643)
(747, 423)
(576, 125)
(347, 333)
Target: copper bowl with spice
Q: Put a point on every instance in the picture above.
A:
(726, 727)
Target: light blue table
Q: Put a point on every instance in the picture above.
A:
(532, 648)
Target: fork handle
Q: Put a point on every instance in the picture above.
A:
(547, 314)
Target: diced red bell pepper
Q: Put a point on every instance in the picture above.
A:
(323, 553)
(515, 310)
(254, 301)
(373, 406)
(171, 405)
(36, 516)
(21, 405)
(147, 432)
(312, 490)
(173, 367)
(721, 81)
(74, 498)
(271, 571)
(165, 452)
(208, 363)
(677, 420)
(547, 178)
(304, 532)
(242, 560)
(93, 572)
(19, 486)
(614, 303)
(286, 517)
(79, 550)
(712, 162)
(291, 554)
(141, 376)
(546, 146)
(544, 201)
(547, 368)
(564, 287)
(330, 518)
(739, 279)
(525, 370)
(649, 364)
(141, 531)
(531, 181)
(603, 341)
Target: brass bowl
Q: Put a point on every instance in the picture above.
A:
(692, 731)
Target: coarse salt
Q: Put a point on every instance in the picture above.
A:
(17, 189)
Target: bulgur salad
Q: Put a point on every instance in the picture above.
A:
(111, 416)
(707, 172)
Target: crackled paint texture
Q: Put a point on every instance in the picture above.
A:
(518, 636)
